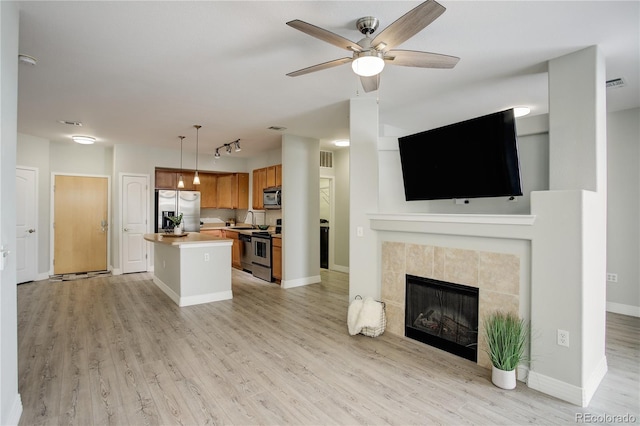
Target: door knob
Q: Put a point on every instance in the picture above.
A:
(126, 229)
(31, 231)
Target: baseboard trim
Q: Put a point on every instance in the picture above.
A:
(206, 298)
(620, 308)
(42, 276)
(568, 392)
(116, 271)
(340, 268)
(16, 411)
(167, 290)
(192, 300)
(299, 282)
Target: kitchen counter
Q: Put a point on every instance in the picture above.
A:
(193, 269)
(190, 238)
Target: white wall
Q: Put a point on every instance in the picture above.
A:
(623, 214)
(10, 403)
(300, 211)
(533, 148)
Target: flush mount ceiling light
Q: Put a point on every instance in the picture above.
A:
(84, 140)
(181, 180)
(26, 59)
(521, 111)
(341, 142)
(196, 178)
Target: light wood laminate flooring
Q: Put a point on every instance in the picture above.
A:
(116, 350)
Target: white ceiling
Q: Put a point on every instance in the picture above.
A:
(146, 72)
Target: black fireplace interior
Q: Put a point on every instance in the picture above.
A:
(442, 314)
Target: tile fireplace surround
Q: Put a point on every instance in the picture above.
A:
(496, 275)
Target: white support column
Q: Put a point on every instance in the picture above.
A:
(569, 243)
(363, 179)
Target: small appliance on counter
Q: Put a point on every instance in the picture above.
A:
(278, 226)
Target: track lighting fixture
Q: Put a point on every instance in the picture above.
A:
(227, 148)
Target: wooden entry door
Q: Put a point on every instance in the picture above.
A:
(80, 224)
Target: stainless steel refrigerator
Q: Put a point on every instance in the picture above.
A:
(172, 203)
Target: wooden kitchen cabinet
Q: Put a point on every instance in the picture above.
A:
(259, 182)
(213, 232)
(208, 191)
(274, 176)
(188, 181)
(166, 179)
(233, 191)
(266, 177)
(276, 258)
(236, 249)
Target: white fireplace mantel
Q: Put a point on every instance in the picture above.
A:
(479, 225)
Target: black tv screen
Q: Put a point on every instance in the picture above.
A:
(470, 159)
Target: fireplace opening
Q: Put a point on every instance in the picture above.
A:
(442, 314)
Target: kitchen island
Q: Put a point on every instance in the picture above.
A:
(192, 269)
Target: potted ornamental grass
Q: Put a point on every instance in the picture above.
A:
(506, 335)
(177, 223)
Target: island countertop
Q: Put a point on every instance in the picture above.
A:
(189, 239)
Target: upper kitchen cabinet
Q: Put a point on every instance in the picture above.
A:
(208, 190)
(266, 177)
(274, 176)
(233, 191)
(166, 179)
(259, 183)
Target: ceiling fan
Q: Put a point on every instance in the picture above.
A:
(371, 54)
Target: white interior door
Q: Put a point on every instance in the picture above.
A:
(134, 223)
(26, 218)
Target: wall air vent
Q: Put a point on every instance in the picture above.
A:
(70, 123)
(615, 83)
(326, 159)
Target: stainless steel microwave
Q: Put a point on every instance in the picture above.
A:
(272, 198)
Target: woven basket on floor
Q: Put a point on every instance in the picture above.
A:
(375, 331)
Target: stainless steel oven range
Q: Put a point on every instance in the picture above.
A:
(261, 255)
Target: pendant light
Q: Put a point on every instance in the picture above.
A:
(181, 180)
(196, 178)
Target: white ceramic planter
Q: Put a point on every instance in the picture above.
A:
(503, 379)
(177, 230)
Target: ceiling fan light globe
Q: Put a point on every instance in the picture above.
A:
(367, 66)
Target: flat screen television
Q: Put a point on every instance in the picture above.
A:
(470, 159)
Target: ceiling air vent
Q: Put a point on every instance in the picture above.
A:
(326, 159)
(615, 83)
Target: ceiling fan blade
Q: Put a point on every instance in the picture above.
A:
(408, 25)
(370, 84)
(414, 58)
(324, 35)
(320, 67)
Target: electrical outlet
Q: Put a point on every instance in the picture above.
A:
(563, 338)
(612, 278)
(206, 257)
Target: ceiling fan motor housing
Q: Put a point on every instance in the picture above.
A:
(367, 25)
